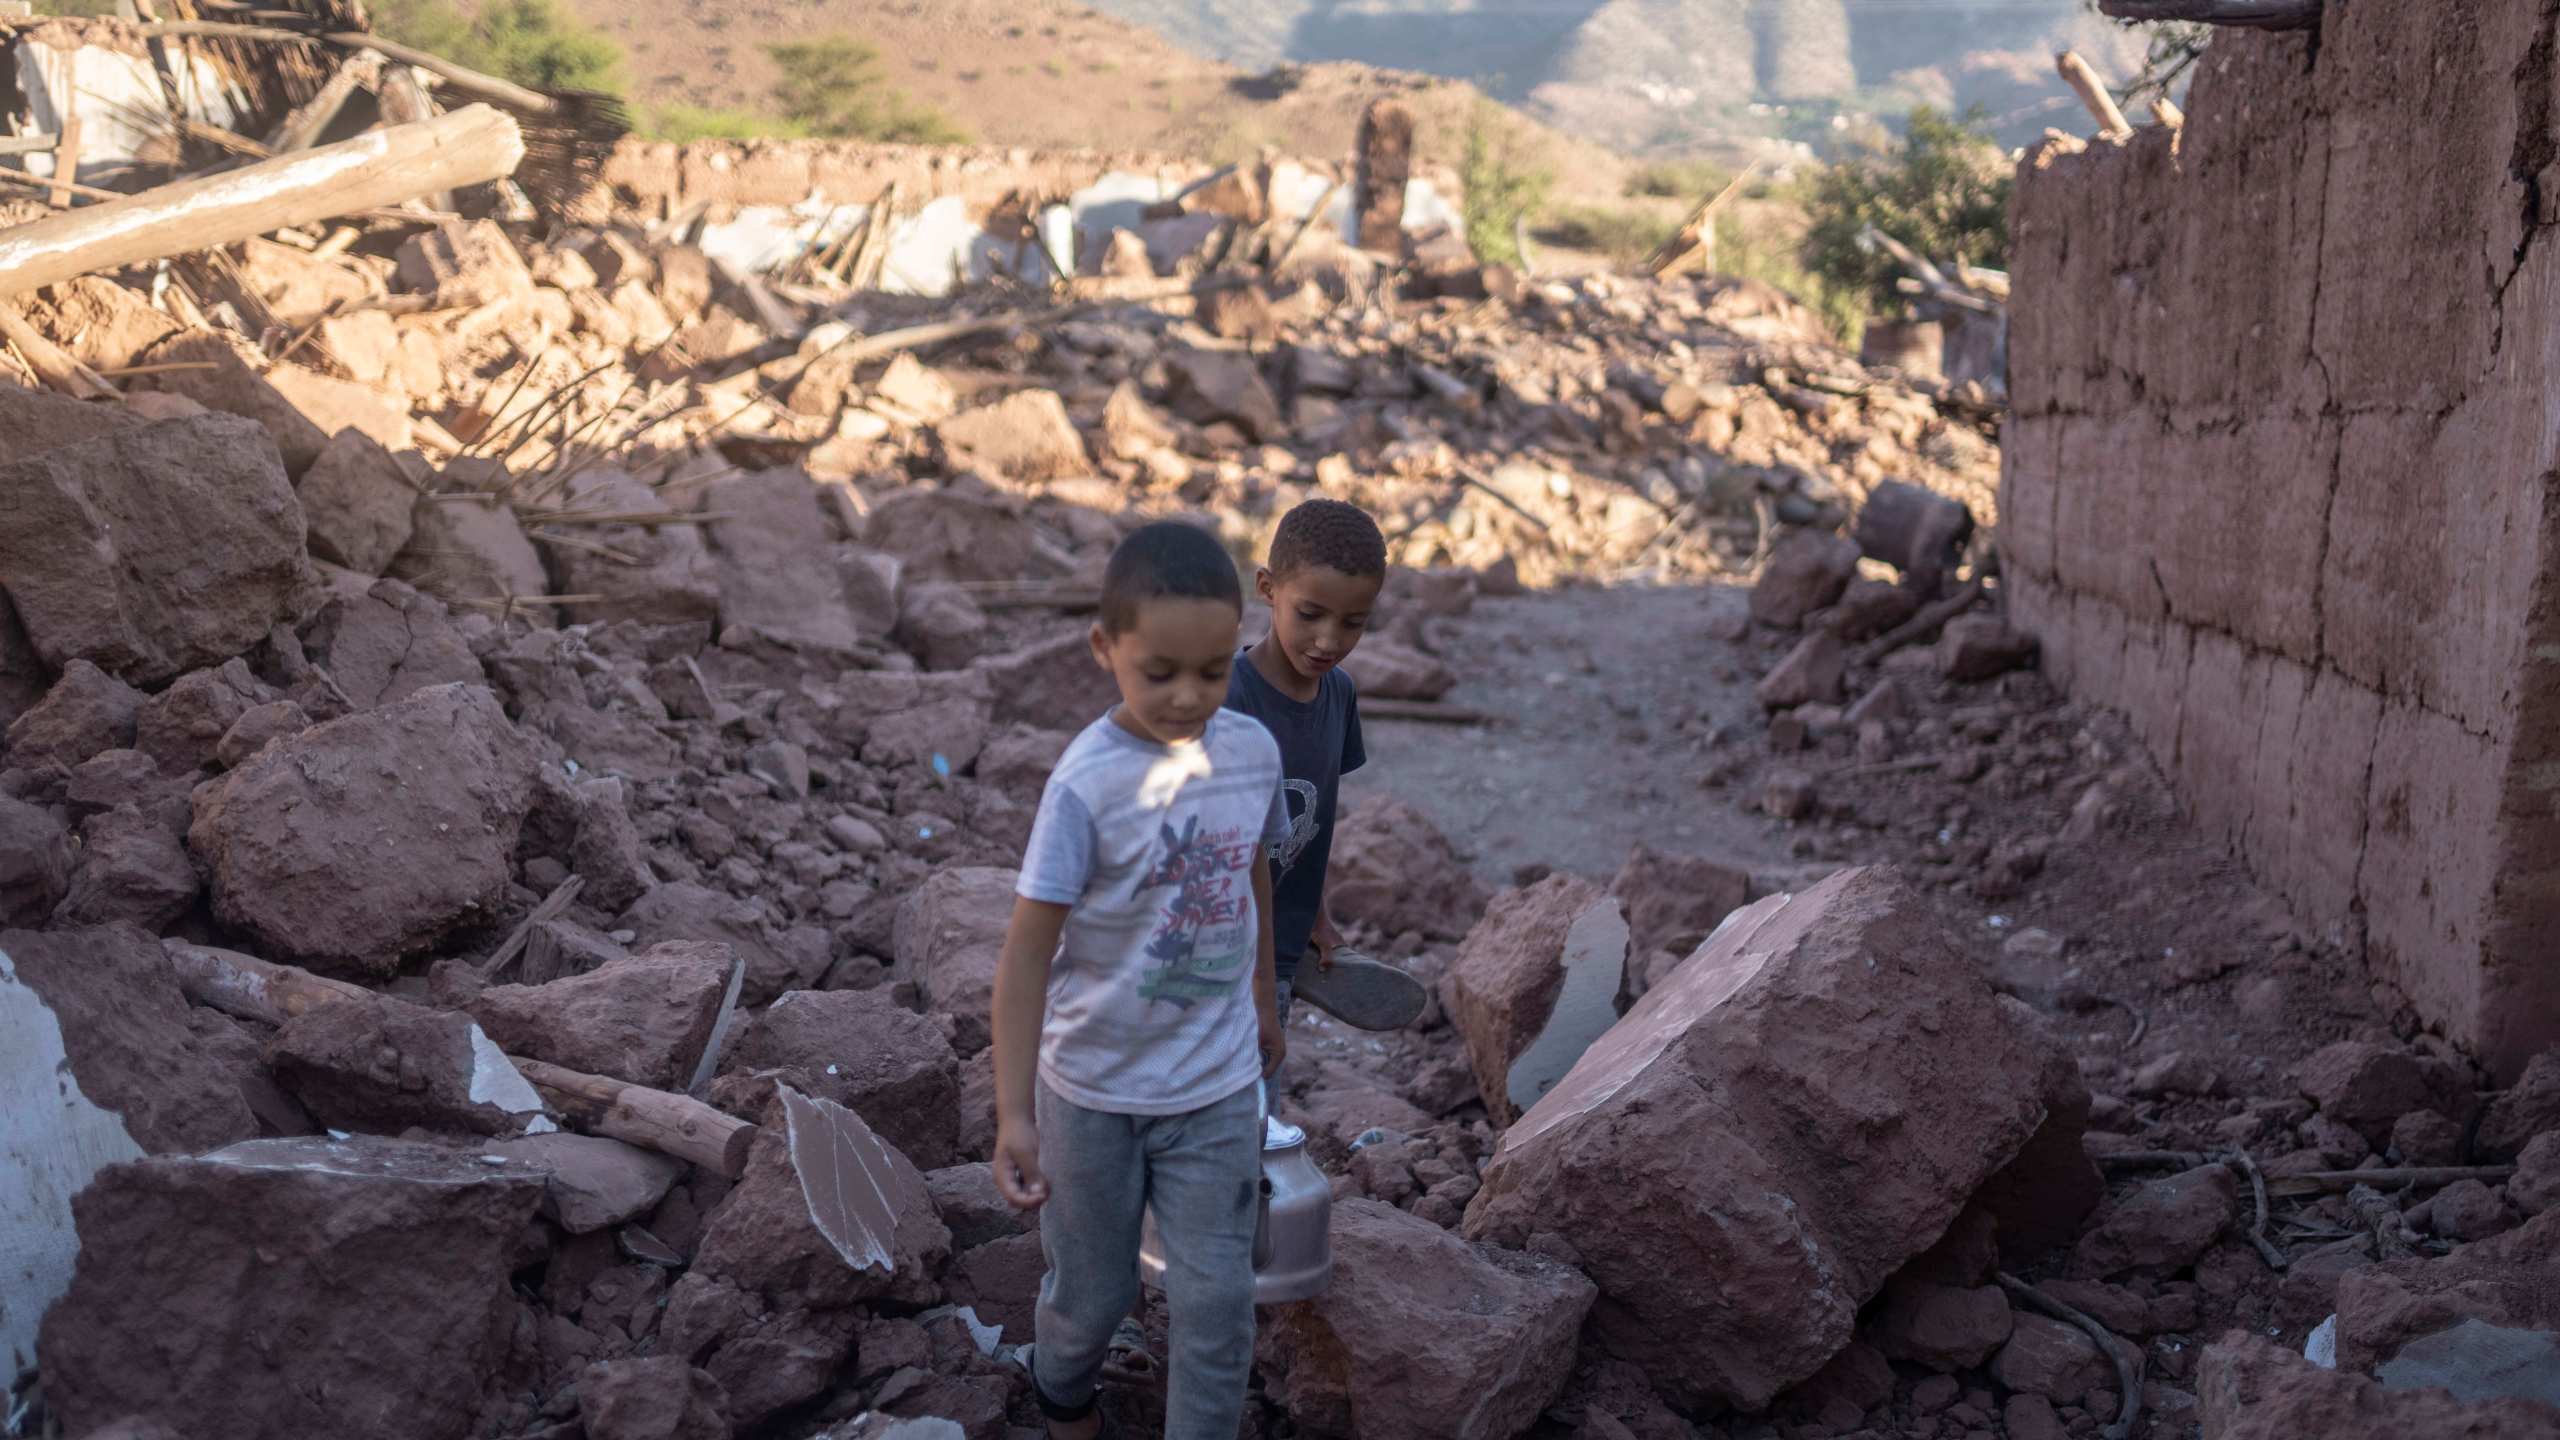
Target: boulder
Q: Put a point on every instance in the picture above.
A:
(1387, 669)
(950, 934)
(35, 862)
(684, 911)
(85, 713)
(153, 549)
(1026, 436)
(1422, 1333)
(1806, 571)
(132, 867)
(658, 574)
(1803, 1106)
(365, 840)
(1536, 981)
(592, 1183)
(2536, 1185)
(1212, 386)
(126, 1036)
(2368, 1087)
(384, 1263)
(954, 534)
(966, 1198)
(383, 1065)
(2164, 1225)
(386, 643)
(1394, 870)
(36, 420)
(2514, 1116)
(467, 550)
(1944, 1327)
(180, 727)
(864, 1051)
(1053, 684)
(225, 373)
(357, 503)
(644, 1019)
(2248, 1389)
(655, 1397)
(774, 553)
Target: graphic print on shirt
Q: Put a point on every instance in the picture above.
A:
(1203, 942)
(1299, 798)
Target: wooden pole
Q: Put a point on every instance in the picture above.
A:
(251, 988)
(2247, 14)
(66, 163)
(381, 167)
(2093, 93)
(301, 130)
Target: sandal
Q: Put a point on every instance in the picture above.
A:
(1058, 1414)
(1127, 1359)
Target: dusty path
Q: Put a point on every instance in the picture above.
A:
(1610, 705)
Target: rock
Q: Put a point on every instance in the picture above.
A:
(2177, 1073)
(1857, 1380)
(606, 850)
(386, 1262)
(86, 712)
(2163, 1226)
(387, 643)
(104, 325)
(180, 727)
(381, 1065)
(113, 778)
(1210, 386)
(1917, 531)
(1869, 608)
(37, 420)
(1945, 1327)
(2484, 1320)
(1240, 313)
(864, 1051)
(1131, 428)
(22, 671)
(954, 535)
(2515, 1116)
(661, 575)
(1674, 902)
(1385, 669)
(225, 373)
(462, 264)
(775, 559)
(132, 867)
(1806, 571)
(593, 1183)
(966, 1198)
(2535, 1186)
(127, 1038)
(644, 1019)
(331, 405)
(2031, 1417)
(2423, 1137)
(656, 1397)
(357, 503)
(1534, 984)
(1053, 684)
(155, 549)
(2468, 1210)
(460, 550)
(1394, 870)
(1000, 1280)
(919, 391)
(1979, 647)
(684, 911)
(2047, 1357)
(1788, 795)
(1810, 674)
(782, 766)
(35, 862)
(950, 934)
(1026, 436)
(2369, 1087)
(2247, 1389)
(1422, 1333)
(1801, 1108)
(941, 625)
(365, 840)
(1125, 257)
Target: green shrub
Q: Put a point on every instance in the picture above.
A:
(1501, 185)
(1691, 180)
(1625, 236)
(1749, 256)
(833, 87)
(680, 122)
(531, 42)
(1944, 192)
(84, 9)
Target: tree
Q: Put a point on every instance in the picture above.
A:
(833, 86)
(1500, 187)
(1944, 192)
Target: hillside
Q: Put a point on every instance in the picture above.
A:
(1054, 74)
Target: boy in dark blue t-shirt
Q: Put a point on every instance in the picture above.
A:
(1326, 567)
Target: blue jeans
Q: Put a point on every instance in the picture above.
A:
(1200, 1173)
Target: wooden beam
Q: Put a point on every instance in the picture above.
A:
(2248, 14)
(2093, 93)
(379, 168)
(66, 163)
(52, 365)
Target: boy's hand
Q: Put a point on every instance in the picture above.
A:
(1275, 1043)
(1017, 1166)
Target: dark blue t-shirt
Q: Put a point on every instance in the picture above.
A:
(1319, 744)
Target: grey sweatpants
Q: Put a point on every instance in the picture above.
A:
(1201, 1173)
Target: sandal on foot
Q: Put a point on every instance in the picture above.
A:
(1360, 992)
(1127, 1359)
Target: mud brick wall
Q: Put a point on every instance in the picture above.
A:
(2280, 480)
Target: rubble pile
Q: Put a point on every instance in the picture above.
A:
(515, 738)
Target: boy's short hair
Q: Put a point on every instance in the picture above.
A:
(1331, 535)
(1167, 560)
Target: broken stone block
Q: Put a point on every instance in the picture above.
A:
(2165, 1225)
(85, 713)
(1814, 1095)
(471, 550)
(1870, 607)
(1126, 258)
(2508, 1283)
(35, 862)
(36, 421)
(126, 1037)
(950, 934)
(132, 867)
(381, 1066)
(1131, 428)
(593, 1183)
(688, 912)
(1053, 685)
(360, 842)
(461, 264)
(297, 286)
(654, 1397)
(2468, 1210)
(1980, 647)
(334, 406)
(774, 553)
(2048, 1357)
(1026, 436)
(180, 727)
(941, 625)
(1213, 386)
(357, 503)
(386, 1262)
(1391, 670)
(226, 373)
(1809, 675)
(1806, 571)
(1535, 983)
(112, 778)
(2514, 1116)
(1945, 1327)
(2423, 1137)
(1917, 531)
(954, 535)
(387, 643)
(659, 574)
(1000, 1280)
(1393, 869)
(1674, 902)
(873, 1056)
(155, 549)
(915, 389)
(1422, 1333)
(2248, 1389)
(1240, 312)
(2369, 1087)
(644, 1019)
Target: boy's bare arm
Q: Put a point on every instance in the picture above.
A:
(1266, 971)
(1022, 992)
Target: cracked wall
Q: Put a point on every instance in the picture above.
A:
(2279, 481)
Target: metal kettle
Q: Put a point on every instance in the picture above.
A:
(1293, 1220)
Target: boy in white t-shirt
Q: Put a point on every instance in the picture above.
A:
(1135, 1001)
